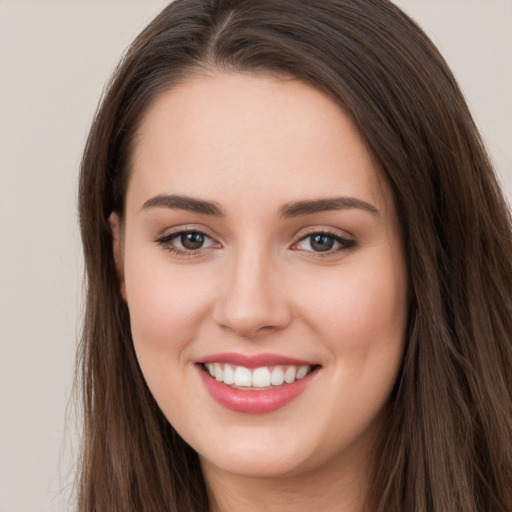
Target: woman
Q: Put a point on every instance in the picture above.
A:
(299, 271)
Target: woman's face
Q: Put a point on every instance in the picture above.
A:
(260, 245)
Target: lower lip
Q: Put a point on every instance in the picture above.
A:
(254, 402)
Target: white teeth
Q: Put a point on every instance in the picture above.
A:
(302, 372)
(229, 374)
(219, 372)
(243, 377)
(263, 377)
(277, 376)
(290, 374)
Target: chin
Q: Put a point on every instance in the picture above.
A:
(251, 464)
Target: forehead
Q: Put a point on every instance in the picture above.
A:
(250, 135)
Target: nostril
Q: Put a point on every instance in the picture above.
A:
(252, 319)
(250, 302)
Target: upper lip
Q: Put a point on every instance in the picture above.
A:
(254, 361)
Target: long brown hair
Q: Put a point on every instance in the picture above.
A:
(448, 442)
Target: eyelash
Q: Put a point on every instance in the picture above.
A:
(344, 243)
(165, 242)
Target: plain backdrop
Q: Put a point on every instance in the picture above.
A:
(55, 57)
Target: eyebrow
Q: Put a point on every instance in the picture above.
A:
(289, 210)
(322, 205)
(184, 203)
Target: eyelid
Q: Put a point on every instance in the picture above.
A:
(165, 241)
(329, 230)
(172, 231)
(175, 234)
(346, 243)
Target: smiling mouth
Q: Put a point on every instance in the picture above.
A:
(256, 379)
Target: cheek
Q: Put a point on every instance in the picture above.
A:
(361, 318)
(166, 306)
(363, 308)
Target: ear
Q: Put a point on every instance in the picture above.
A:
(115, 226)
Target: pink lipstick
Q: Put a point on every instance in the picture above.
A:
(255, 384)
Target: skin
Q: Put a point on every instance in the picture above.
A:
(253, 144)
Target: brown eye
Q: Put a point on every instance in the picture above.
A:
(192, 240)
(186, 242)
(321, 243)
(324, 242)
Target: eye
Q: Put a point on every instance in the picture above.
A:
(187, 242)
(324, 242)
(192, 240)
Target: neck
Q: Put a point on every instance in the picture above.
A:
(327, 489)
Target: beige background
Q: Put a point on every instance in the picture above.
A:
(54, 59)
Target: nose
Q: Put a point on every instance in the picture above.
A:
(253, 301)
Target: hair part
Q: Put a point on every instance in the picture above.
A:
(448, 442)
